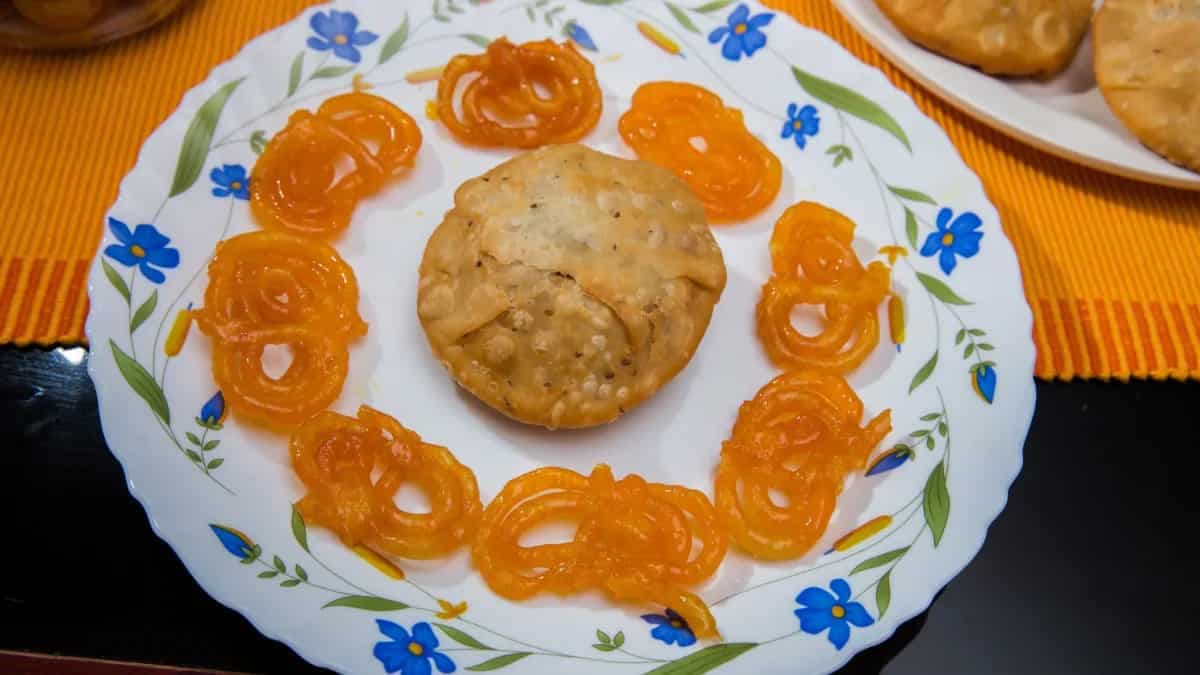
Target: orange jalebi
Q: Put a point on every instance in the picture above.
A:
(799, 436)
(522, 96)
(301, 183)
(635, 540)
(271, 288)
(337, 458)
(688, 129)
(815, 240)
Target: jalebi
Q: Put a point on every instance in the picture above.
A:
(270, 288)
(635, 540)
(519, 96)
(312, 174)
(799, 436)
(688, 129)
(338, 459)
(815, 264)
(275, 279)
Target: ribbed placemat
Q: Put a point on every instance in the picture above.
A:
(1110, 265)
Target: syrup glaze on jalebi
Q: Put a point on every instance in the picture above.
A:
(799, 436)
(732, 172)
(817, 241)
(336, 456)
(301, 183)
(270, 288)
(635, 540)
(521, 96)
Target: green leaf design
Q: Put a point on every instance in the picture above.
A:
(603, 647)
(936, 502)
(295, 73)
(278, 563)
(369, 603)
(603, 637)
(619, 638)
(215, 463)
(879, 560)
(143, 312)
(943, 429)
(969, 350)
(850, 102)
(552, 15)
(682, 18)
(394, 42)
(929, 442)
(210, 445)
(194, 456)
(498, 662)
(300, 572)
(192, 438)
(290, 583)
(529, 13)
(142, 383)
(911, 195)
(910, 227)
(704, 660)
(299, 529)
(196, 140)
(477, 39)
(929, 417)
(268, 574)
(985, 347)
(258, 141)
(960, 336)
(977, 332)
(331, 71)
(920, 434)
(713, 6)
(115, 279)
(461, 637)
(924, 373)
(883, 594)
(941, 291)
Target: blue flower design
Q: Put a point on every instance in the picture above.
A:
(235, 542)
(231, 179)
(983, 380)
(145, 248)
(743, 34)
(410, 655)
(339, 31)
(957, 238)
(212, 413)
(580, 36)
(670, 628)
(801, 123)
(892, 460)
(821, 610)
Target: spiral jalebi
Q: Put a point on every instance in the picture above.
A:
(271, 288)
(353, 467)
(814, 264)
(637, 541)
(799, 436)
(519, 96)
(687, 129)
(302, 185)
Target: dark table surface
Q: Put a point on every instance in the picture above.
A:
(1084, 572)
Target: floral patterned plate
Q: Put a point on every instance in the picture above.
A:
(956, 369)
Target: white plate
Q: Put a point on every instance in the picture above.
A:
(229, 515)
(1066, 115)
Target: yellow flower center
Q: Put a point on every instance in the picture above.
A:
(340, 39)
(740, 28)
(838, 611)
(415, 649)
(137, 251)
(676, 624)
(947, 239)
(797, 125)
(235, 185)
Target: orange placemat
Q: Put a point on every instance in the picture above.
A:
(1110, 264)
